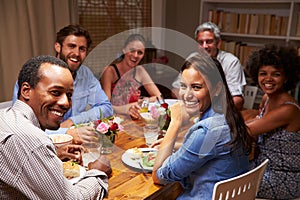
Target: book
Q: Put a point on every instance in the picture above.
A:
(267, 24)
(210, 16)
(237, 49)
(225, 21)
(233, 22)
(241, 53)
(260, 28)
(220, 22)
(253, 24)
(272, 25)
(247, 25)
(284, 25)
(242, 23)
(246, 51)
(277, 28)
(215, 18)
(230, 47)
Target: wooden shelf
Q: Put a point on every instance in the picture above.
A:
(227, 14)
(287, 8)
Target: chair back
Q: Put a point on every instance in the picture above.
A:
(249, 96)
(5, 104)
(242, 187)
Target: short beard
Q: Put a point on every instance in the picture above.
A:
(63, 58)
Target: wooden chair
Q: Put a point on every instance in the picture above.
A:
(242, 187)
(249, 96)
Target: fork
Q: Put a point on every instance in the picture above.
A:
(143, 170)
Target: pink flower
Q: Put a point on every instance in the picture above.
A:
(154, 112)
(102, 127)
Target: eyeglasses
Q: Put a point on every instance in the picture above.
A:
(209, 41)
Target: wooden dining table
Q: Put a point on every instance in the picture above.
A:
(131, 183)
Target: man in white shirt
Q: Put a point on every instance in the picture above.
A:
(208, 37)
(30, 166)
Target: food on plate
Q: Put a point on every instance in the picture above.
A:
(71, 169)
(149, 159)
(135, 153)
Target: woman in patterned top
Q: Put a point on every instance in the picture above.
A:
(122, 81)
(277, 127)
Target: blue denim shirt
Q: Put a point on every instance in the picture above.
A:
(203, 159)
(87, 100)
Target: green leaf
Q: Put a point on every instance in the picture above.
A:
(101, 114)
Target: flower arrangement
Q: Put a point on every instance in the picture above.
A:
(109, 127)
(161, 112)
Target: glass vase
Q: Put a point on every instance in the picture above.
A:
(164, 121)
(107, 144)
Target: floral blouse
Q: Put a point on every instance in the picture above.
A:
(126, 89)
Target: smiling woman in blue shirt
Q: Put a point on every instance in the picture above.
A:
(215, 148)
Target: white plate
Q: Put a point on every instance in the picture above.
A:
(134, 163)
(82, 172)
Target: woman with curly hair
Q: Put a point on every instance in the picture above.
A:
(277, 128)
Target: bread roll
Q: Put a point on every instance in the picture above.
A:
(71, 169)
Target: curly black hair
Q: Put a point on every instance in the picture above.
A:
(280, 57)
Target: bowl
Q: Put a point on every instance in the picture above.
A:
(61, 139)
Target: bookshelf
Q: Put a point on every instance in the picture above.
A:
(249, 24)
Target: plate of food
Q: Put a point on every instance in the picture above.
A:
(73, 171)
(141, 159)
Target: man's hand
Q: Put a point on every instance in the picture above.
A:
(67, 124)
(70, 152)
(102, 164)
(84, 134)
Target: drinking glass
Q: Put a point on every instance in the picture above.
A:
(143, 103)
(151, 133)
(92, 152)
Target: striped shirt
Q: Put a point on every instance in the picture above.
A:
(29, 166)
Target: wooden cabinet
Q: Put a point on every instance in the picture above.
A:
(248, 24)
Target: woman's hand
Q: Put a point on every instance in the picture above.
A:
(179, 113)
(157, 143)
(134, 110)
